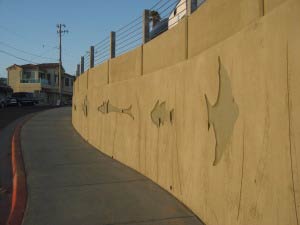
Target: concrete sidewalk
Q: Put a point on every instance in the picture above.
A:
(70, 182)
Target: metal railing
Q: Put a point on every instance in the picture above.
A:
(35, 81)
(165, 14)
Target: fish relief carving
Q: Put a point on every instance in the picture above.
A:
(160, 115)
(85, 106)
(106, 108)
(223, 114)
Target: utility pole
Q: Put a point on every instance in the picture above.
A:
(60, 30)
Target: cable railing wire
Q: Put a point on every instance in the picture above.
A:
(129, 24)
(156, 4)
(134, 29)
(159, 9)
(101, 56)
(126, 50)
(102, 41)
(135, 40)
(101, 51)
(130, 35)
(133, 35)
(168, 9)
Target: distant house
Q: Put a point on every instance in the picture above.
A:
(42, 80)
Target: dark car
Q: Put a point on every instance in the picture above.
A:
(10, 101)
(159, 28)
(24, 98)
(3, 102)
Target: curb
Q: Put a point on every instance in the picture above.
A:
(19, 187)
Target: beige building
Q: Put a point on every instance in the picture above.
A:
(42, 80)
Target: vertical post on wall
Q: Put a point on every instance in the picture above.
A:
(189, 7)
(78, 70)
(146, 30)
(112, 44)
(92, 56)
(82, 64)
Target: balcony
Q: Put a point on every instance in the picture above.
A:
(36, 81)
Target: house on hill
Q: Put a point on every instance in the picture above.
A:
(42, 80)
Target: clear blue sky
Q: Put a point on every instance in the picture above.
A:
(30, 25)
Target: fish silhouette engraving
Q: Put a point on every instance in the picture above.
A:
(85, 106)
(160, 115)
(223, 114)
(106, 108)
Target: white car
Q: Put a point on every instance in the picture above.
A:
(181, 10)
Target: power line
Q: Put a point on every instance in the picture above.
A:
(17, 57)
(45, 52)
(21, 36)
(25, 52)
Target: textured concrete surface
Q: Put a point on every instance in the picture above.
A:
(257, 177)
(70, 182)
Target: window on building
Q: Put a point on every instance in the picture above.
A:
(67, 82)
(49, 78)
(27, 75)
(41, 75)
(56, 79)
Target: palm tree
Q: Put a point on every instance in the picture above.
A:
(154, 17)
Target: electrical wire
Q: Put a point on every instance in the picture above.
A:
(25, 52)
(17, 57)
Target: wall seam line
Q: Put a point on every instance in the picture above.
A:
(290, 132)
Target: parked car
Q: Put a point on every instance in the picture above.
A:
(10, 101)
(2, 102)
(24, 98)
(180, 11)
(174, 17)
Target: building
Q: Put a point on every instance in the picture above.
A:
(42, 80)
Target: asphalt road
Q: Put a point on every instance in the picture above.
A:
(9, 119)
(9, 114)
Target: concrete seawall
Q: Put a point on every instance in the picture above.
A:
(209, 111)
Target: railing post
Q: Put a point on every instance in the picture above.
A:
(189, 7)
(91, 56)
(78, 70)
(82, 64)
(146, 30)
(112, 44)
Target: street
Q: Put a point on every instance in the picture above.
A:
(9, 114)
(9, 119)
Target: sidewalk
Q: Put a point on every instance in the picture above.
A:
(71, 183)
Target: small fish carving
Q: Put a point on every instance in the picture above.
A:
(106, 108)
(160, 115)
(223, 114)
(85, 106)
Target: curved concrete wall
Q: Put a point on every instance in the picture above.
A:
(220, 131)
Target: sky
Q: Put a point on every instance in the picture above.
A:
(28, 28)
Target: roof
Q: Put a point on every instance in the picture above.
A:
(41, 66)
(69, 75)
